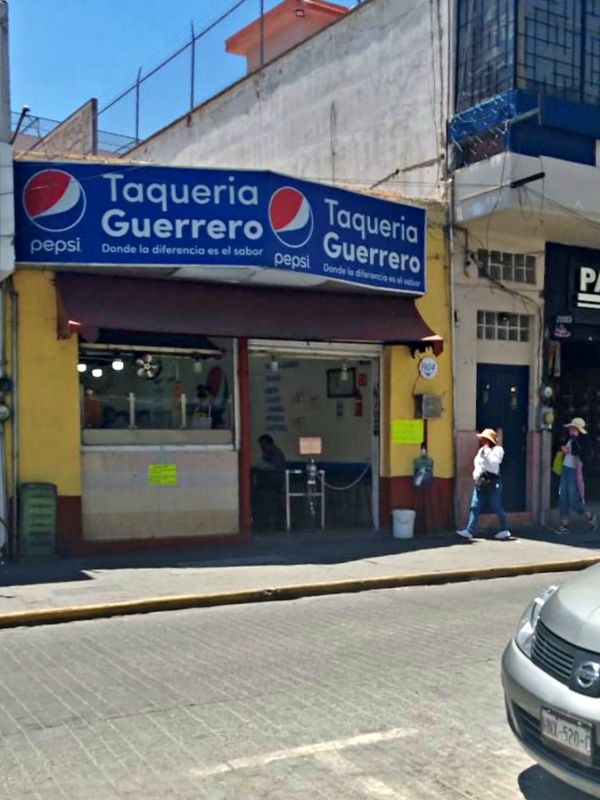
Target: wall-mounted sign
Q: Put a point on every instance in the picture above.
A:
(162, 474)
(428, 368)
(407, 431)
(145, 216)
(310, 445)
(562, 331)
(588, 287)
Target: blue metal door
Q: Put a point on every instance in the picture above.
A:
(503, 404)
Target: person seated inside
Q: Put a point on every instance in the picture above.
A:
(272, 457)
(268, 487)
(202, 418)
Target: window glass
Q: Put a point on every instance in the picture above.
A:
(516, 267)
(503, 327)
(485, 51)
(160, 389)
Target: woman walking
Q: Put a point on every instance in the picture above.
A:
(488, 486)
(571, 490)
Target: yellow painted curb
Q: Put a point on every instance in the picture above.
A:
(47, 616)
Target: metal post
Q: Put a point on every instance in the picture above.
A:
(15, 418)
(322, 475)
(193, 73)
(183, 402)
(5, 135)
(137, 105)
(6, 250)
(262, 32)
(288, 516)
(132, 409)
(5, 544)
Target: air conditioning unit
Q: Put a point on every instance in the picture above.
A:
(428, 406)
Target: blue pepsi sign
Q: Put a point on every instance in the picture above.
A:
(143, 216)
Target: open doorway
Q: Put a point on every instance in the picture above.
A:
(575, 379)
(327, 396)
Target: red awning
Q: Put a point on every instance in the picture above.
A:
(177, 307)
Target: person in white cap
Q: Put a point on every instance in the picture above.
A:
(488, 486)
(571, 491)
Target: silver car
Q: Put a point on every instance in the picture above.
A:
(551, 677)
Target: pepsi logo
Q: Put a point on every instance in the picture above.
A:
(54, 200)
(291, 217)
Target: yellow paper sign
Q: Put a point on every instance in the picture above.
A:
(407, 431)
(162, 474)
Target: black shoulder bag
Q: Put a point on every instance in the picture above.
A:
(486, 482)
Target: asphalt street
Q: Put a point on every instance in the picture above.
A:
(389, 695)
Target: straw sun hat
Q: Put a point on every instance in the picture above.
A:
(577, 422)
(491, 435)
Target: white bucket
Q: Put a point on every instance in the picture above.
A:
(404, 523)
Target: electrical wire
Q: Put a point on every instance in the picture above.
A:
(575, 214)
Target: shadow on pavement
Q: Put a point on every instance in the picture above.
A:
(579, 535)
(537, 784)
(319, 547)
(14, 574)
(296, 548)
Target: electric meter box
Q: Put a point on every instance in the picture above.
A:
(428, 406)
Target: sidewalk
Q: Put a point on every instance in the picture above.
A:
(276, 566)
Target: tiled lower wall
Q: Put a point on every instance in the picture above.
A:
(119, 503)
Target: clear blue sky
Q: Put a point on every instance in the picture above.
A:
(62, 52)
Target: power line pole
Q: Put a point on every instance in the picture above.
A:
(7, 252)
(4, 75)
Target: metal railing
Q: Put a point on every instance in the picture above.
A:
(36, 128)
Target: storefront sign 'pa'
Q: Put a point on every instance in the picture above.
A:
(144, 216)
(588, 285)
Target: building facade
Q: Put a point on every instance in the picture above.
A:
(169, 318)
(522, 146)
(489, 117)
(492, 109)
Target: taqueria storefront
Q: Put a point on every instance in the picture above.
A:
(169, 318)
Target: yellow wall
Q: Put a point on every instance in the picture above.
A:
(402, 380)
(49, 433)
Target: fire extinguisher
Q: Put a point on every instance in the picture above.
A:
(358, 405)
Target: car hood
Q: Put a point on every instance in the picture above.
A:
(573, 612)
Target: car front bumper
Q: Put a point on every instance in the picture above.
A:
(527, 689)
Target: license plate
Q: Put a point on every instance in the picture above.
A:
(570, 733)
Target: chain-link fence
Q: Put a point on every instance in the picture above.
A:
(32, 129)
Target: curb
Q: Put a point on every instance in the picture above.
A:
(49, 616)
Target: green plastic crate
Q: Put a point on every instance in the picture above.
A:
(37, 520)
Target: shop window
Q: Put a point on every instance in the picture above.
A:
(501, 326)
(500, 266)
(148, 392)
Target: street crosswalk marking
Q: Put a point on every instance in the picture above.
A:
(318, 748)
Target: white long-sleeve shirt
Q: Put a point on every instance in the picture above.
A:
(488, 459)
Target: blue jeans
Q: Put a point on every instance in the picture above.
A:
(493, 501)
(568, 493)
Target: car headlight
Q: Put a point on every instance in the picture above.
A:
(529, 620)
